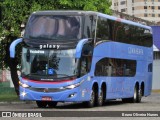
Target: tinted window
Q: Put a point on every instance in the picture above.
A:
(89, 27)
(115, 67)
(120, 32)
(86, 58)
(131, 34)
(103, 29)
(53, 27)
(150, 67)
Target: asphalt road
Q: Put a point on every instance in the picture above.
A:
(150, 103)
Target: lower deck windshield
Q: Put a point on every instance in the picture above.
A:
(49, 64)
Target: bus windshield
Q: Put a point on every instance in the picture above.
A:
(48, 63)
(53, 27)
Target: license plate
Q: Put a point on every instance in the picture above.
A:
(46, 98)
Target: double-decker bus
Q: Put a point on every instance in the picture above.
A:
(84, 56)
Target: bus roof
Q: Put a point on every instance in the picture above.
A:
(79, 12)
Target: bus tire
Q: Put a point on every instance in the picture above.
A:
(136, 97)
(100, 98)
(41, 104)
(91, 102)
(139, 95)
(52, 104)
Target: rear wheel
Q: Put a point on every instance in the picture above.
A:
(139, 95)
(136, 97)
(41, 104)
(100, 100)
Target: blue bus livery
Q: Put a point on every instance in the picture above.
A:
(84, 56)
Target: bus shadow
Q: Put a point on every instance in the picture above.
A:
(82, 105)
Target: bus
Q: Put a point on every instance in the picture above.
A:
(84, 56)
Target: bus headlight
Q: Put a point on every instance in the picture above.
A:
(23, 85)
(74, 85)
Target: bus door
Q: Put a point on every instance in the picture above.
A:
(86, 58)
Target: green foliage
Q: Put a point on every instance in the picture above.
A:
(16, 12)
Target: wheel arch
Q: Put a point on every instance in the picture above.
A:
(137, 84)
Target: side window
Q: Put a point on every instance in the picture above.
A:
(150, 67)
(118, 32)
(146, 39)
(102, 32)
(89, 26)
(103, 68)
(115, 67)
(86, 58)
(130, 34)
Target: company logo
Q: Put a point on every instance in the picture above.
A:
(45, 90)
(136, 51)
(49, 46)
(6, 114)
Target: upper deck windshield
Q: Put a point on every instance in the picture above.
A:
(53, 27)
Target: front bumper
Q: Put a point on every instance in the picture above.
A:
(70, 95)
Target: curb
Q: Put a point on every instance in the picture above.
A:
(155, 91)
(18, 102)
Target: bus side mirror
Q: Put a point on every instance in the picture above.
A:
(28, 56)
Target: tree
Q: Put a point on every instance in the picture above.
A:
(16, 12)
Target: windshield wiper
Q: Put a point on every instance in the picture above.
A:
(62, 75)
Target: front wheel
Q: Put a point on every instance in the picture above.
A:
(52, 104)
(41, 104)
(91, 103)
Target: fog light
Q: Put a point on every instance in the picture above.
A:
(23, 94)
(72, 95)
